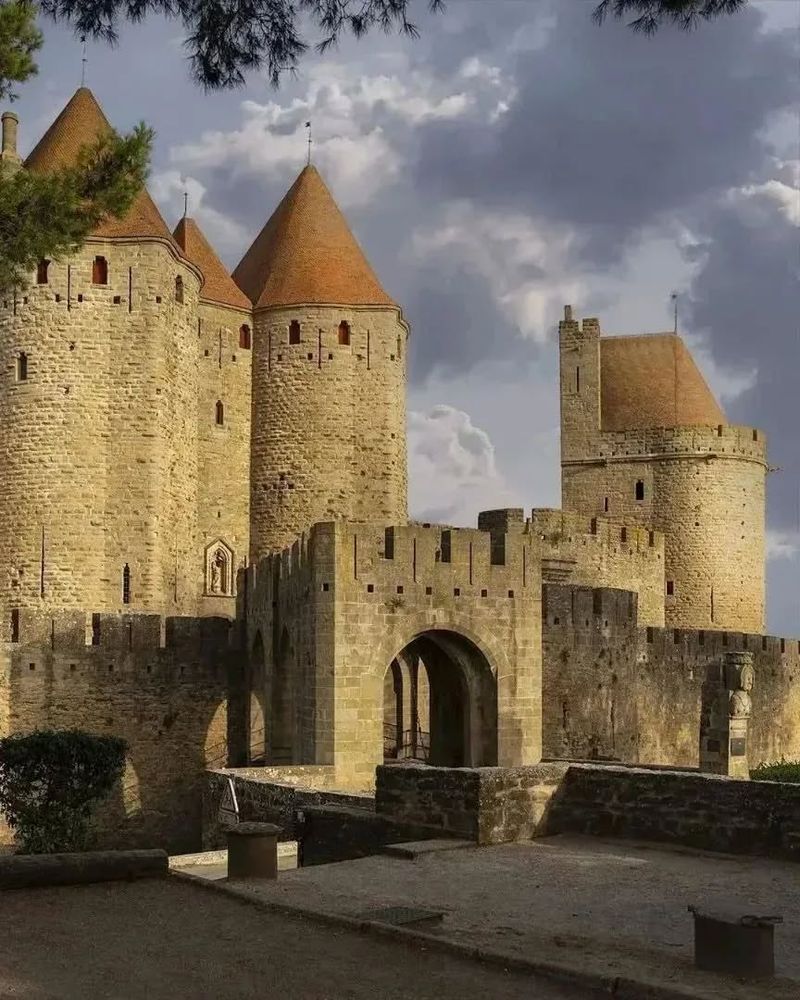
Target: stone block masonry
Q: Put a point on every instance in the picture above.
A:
(613, 689)
(164, 686)
(500, 805)
(328, 431)
(316, 612)
(99, 471)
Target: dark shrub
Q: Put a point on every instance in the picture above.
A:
(49, 782)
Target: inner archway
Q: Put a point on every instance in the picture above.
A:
(454, 713)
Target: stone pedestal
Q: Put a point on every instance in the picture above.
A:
(725, 715)
(253, 851)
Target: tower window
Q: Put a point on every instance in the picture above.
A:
(179, 289)
(41, 272)
(126, 584)
(294, 332)
(639, 489)
(244, 337)
(670, 588)
(99, 271)
(220, 414)
(344, 332)
(22, 366)
(578, 379)
(605, 505)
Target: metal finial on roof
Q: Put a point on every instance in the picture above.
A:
(308, 160)
(674, 298)
(84, 60)
(185, 203)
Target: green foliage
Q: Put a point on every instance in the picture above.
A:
(19, 39)
(228, 38)
(781, 770)
(652, 14)
(50, 215)
(49, 781)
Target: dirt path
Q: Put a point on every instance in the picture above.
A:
(164, 939)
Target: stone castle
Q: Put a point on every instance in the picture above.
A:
(207, 550)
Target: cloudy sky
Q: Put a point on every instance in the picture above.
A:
(515, 158)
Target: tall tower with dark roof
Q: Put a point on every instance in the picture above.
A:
(643, 440)
(329, 374)
(98, 405)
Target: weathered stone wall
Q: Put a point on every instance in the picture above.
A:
(223, 494)
(164, 686)
(704, 488)
(704, 811)
(500, 805)
(328, 435)
(333, 612)
(613, 689)
(490, 805)
(99, 468)
(272, 795)
(598, 552)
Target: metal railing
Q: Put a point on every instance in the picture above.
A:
(407, 744)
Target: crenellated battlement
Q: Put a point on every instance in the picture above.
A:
(67, 631)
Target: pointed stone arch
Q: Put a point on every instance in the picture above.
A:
(219, 570)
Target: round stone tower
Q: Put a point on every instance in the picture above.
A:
(329, 372)
(644, 440)
(98, 405)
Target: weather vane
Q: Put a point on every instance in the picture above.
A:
(308, 126)
(83, 61)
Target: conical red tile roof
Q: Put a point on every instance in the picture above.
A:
(653, 381)
(306, 253)
(80, 124)
(218, 285)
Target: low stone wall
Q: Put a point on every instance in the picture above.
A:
(335, 833)
(272, 795)
(490, 805)
(689, 808)
(498, 805)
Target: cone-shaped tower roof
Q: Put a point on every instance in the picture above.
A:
(653, 381)
(218, 285)
(80, 124)
(306, 253)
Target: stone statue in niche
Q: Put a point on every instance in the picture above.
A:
(217, 565)
(740, 704)
(219, 576)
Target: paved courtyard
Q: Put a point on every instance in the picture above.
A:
(611, 906)
(166, 939)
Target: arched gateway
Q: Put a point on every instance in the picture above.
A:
(415, 641)
(440, 702)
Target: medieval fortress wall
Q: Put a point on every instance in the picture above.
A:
(224, 338)
(206, 549)
(98, 405)
(329, 427)
(702, 486)
(620, 691)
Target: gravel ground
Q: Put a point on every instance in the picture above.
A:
(613, 906)
(165, 939)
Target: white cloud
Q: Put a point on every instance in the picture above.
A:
(222, 232)
(783, 544)
(524, 261)
(346, 108)
(726, 383)
(781, 191)
(452, 467)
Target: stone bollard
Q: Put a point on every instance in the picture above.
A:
(253, 850)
